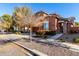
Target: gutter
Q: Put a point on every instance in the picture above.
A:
(32, 51)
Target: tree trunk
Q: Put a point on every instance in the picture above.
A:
(30, 36)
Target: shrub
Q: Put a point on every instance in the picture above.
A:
(62, 40)
(15, 31)
(18, 33)
(45, 36)
(46, 33)
(50, 33)
(76, 40)
(39, 33)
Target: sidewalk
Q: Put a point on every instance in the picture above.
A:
(73, 47)
(12, 36)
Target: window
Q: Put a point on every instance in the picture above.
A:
(46, 25)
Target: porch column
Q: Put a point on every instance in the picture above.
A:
(64, 27)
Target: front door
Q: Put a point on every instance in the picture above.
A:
(65, 27)
(60, 27)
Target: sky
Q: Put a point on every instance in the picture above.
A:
(63, 9)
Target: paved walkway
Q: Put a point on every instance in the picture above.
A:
(55, 36)
(73, 47)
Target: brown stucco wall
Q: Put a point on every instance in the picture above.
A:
(52, 23)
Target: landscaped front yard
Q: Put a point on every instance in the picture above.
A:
(71, 38)
(50, 50)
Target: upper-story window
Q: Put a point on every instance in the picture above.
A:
(46, 25)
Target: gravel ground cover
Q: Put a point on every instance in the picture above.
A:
(50, 50)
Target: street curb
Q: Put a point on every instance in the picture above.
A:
(32, 51)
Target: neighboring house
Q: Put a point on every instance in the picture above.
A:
(54, 22)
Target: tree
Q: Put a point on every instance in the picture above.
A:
(7, 21)
(24, 17)
(19, 15)
(77, 24)
(2, 27)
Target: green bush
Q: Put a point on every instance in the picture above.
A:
(18, 33)
(45, 36)
(76, 40)
(62, 40)
(46, 33)
(50, 33)
(39, 33)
